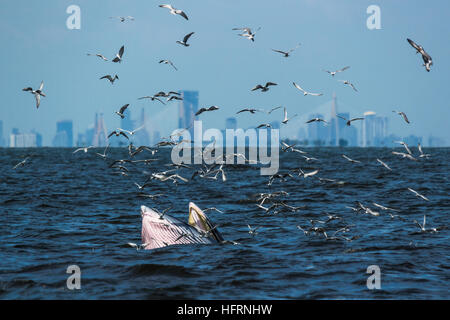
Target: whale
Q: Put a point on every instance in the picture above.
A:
(162, 231)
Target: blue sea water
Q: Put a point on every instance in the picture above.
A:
(64, 209)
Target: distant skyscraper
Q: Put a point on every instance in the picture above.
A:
(187, 109)
(64, 134)
(373, 130)
(2, 140)
(231, 123)
(100, 134)
(347, 134)
(22, 140)
(142, 137)
(317, 132)
(333, 137)
(126, 123)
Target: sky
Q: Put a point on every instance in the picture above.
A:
(223, 67)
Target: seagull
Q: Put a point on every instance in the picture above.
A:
(119, 55)
(251, 110)
(309, 174)
(103, 155)
(252, 231)
(349, 121)
(421, 152)
(168, 62)
(264, 125)
(174, 11)
(351, 160)
(247, 33)
(316, 120)
(425, 56)
(174, 98)
(164, 94)
(153, 98)
(122, 19)
(306, 92)
(122, 110)
(333, 73)
(402, 114)
(132, 132)
(185, 39)
(348, 83)
(286, 119)
(384, 164)
(273, 109)
(422, 226)
(21, 163)
(404, 155)
(98, 55)
(291, 147)
(111, 79)
(117, 133)
(307, 159)
(418, 194)
(37, 93)
(286, 53)
(212, 108)
(265, 87)
(383, 207)
(405, 145)
(85, 149)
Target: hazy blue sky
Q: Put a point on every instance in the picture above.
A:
(36, 45)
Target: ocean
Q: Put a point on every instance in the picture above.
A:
(64, 209)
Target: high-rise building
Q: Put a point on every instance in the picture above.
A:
(187, 109)
(231, 123)
(126, 123)
(373, 130)
(100, 134)
(142, 136)
(317, 132)
(333, 133)
(64, 134)
(2, 140)
(22, 140)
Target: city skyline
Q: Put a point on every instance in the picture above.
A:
(226, 67)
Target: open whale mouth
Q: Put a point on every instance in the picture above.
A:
(161, 231)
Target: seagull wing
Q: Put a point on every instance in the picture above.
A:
(404, 117)
(38, 99)
(343, 69)
(413, 44)
(181, 13)
(298, 87)
(124, 108)
(41, 86)
(186, 37)
(121, 50)
(270, 84)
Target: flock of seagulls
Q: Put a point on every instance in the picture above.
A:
(268, 202)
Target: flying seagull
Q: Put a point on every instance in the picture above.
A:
(421, 152)
(404, 145)
(348, 83)
(286, 119)
(316, 120)
(251, 110)
(119, 55)
(349, 121)
(351, 160)
(212, 108)
(425, 56)
(37, 93)
(264, 125)
(286, 53)
(122, 110)
(306, 92)
(123, 19)
(265, 87)
(153, 98)
(133, 131)
(98, 55)
(418, 194)
(85, 149)
(252, 231)
(118, 133)
(247, 33)
(333, 73)
(21, 163)
(110, 78)
(384, 164)
(402, 114)
(185, 39)
(174, 11)
(168, 62)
